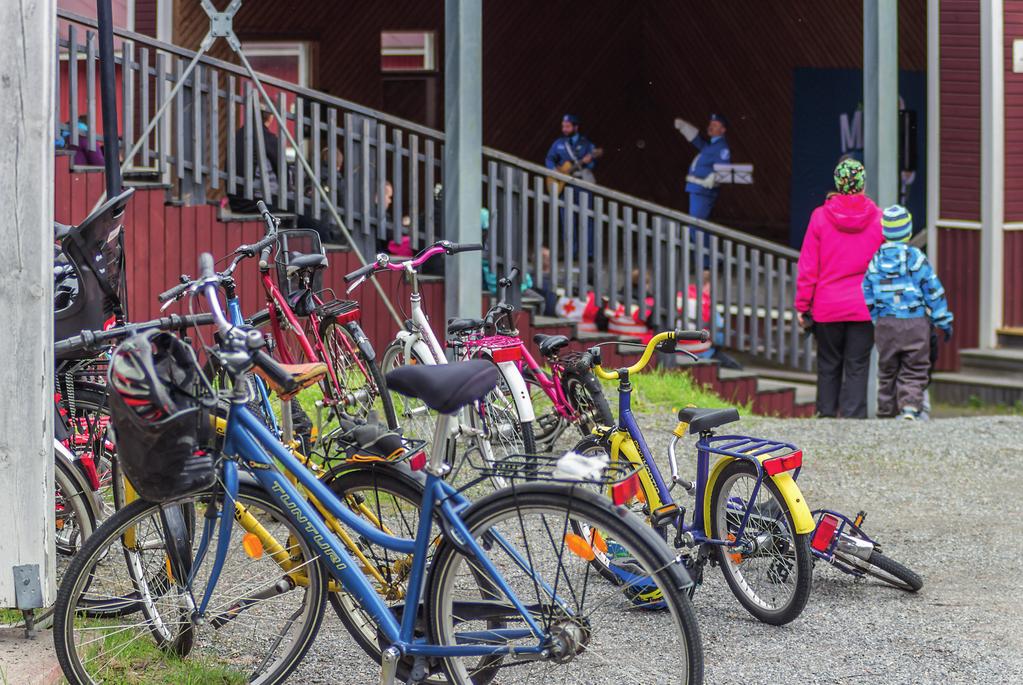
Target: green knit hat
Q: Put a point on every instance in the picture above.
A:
(849, 175)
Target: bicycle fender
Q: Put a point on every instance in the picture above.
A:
(517, 386)
(790, 492)
(413, 344)
(623, 444)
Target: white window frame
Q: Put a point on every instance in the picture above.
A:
(298, 49)
(428, 52)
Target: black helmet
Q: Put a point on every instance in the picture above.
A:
(156, 417)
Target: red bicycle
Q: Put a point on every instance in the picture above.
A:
(307, 323)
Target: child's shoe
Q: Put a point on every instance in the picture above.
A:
(910, 413)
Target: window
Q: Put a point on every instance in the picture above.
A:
(407, 51)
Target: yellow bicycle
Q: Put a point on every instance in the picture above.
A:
(748, 516)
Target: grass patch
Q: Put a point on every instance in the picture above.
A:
(662, 390)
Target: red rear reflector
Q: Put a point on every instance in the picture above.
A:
(417, 461)
(786, 462)
(626, 490)
(507, 354)
(825, 533)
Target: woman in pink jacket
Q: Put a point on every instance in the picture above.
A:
(844, 233)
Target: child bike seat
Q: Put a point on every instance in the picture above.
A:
(700, 420)
(445, 388)
(550, 344)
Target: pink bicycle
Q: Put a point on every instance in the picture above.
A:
(568, 395)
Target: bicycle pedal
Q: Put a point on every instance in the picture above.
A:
(664, 515)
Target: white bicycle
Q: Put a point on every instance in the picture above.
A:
(501, 424)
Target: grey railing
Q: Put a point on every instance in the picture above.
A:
(581, 239)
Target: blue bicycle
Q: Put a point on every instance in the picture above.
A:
(228, 563)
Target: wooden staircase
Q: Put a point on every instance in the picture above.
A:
(989, 376)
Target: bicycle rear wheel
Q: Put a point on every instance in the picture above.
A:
(590, 628)
(361, 384)
(771, 572)
(501, 429)
(413, 417)
(263, 615)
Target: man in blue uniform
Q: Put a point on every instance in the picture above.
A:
(574, 154)
(700, 178)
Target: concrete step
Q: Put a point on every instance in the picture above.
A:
(966, 388)
(1011, 337)
(805, 394)
(1003, 363)
(786, 375)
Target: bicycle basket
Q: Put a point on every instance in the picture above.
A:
(162, 453)
(294, 243)
(522, 468)
(89, 273)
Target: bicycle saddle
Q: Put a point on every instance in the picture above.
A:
(550, 344)
(456, 326)
(305, 261)
(445, 388)
(700, 420)
(303, 374)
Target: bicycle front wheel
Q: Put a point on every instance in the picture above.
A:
(590, 630)
(770, 569)
(500, 427)
(263, 615)
(884, 568)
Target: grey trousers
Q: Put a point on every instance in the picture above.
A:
(903, 349)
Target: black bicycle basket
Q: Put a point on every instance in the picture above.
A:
(89, 275)
(171, 457)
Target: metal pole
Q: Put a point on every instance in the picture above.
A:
(463, 152)
(108, 96)
(27, 55)
(880, 121)
(992, 171)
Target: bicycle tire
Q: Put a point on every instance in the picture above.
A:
(573, 503)
(395, 483)
(781, 568)
(411, 415)
(499, 403)
(83, 571)
(349, 375)
(587, 398)
(88, 403)
(886, 569)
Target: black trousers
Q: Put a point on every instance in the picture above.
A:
(843, 364)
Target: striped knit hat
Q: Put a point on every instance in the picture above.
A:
(897, 224)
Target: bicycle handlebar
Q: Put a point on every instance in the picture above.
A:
(87, 340)
(383, 261)
(648, 352)
(251, 340)
(176, 291)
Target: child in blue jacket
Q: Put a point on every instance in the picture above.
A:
(904, 297)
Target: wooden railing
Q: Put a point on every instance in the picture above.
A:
(389, 186)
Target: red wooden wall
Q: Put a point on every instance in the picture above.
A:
(164, 240)
(960, 109)
(1013, 311)
(959, 269)
(627, 69)
(1013, 29)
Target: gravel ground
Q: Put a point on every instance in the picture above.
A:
(943, 497)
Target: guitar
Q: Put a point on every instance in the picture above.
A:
(576, 169)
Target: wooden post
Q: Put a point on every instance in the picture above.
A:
(27, 47)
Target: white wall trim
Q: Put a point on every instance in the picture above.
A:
(1013, 226)
(958, 223)
(165, 20)
(933, 127)
(992, 170)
